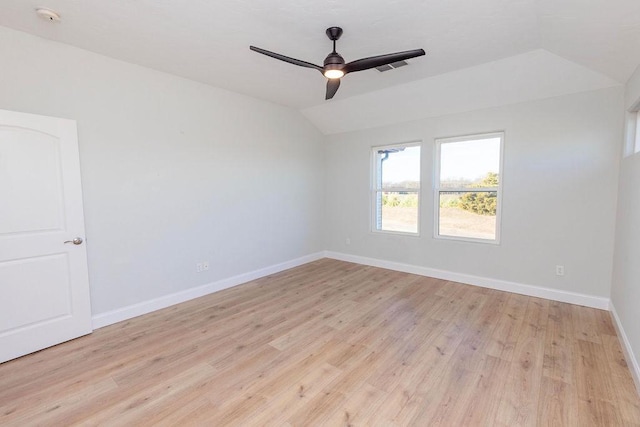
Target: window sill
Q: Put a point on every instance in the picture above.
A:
(396, 233)
(495, 242)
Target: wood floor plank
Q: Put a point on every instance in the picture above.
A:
(604, 322)
(585, 324)
(624, 384)
(408, 356)
(519, 400)
(596, 412)
(426, 383)
(558, 349)
(287, 401)
(593, 377)
(444, 402)
(385, 414)
(503, 342)
(557, 404)
(470, 354)
(146, 402)
(358, 405)
(338, 392)
(488, 383)
(56, 408)
(334, 343)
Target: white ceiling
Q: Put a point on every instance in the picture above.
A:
(208, 41)
(537, 74)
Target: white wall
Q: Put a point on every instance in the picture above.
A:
(561, 158)
(625, 289)
(174, 172)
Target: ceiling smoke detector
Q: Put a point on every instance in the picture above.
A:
(48, 14)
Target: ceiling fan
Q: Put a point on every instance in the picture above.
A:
(334, 66)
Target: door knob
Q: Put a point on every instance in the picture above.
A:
(76, 241)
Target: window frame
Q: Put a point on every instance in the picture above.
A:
(632, 131)
(373, 203)
(437, 190)
(636, 142)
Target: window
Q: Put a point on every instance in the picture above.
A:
(396, 188)
(632, 133)
(468, 187)
(637, 133)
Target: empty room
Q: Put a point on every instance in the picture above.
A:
(310, 213)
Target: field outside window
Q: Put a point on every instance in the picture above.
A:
(468, 187)
(396, 188)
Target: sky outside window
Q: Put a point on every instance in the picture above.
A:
(469, 160)
(402, 167)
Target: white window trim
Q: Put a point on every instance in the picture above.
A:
(374, 190)
(632, 130)
(436, 187)
(631, 134)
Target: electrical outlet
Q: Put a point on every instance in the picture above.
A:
(205, 265)
(199, 267)
(347, 241)
(559, 270)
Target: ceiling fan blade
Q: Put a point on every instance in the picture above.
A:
(286, 58)
(376, 61)
(332, 87)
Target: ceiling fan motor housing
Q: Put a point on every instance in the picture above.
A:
(333, 61)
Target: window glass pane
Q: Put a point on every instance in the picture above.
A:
(637, 139)
(468, 214)
(401, 168)
(399, 211)
(396, 176)
(469, 164)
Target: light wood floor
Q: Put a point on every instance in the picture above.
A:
(334, 343)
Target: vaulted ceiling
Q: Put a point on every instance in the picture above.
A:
(208, 41)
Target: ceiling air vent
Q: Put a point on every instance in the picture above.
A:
(388, 67)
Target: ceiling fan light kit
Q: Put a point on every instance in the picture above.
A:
(333, 73)
(334, 66)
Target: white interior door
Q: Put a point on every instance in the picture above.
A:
(44, 285)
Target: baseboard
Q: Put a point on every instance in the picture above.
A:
(632, 361)
(501, 285)
(134, 310)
